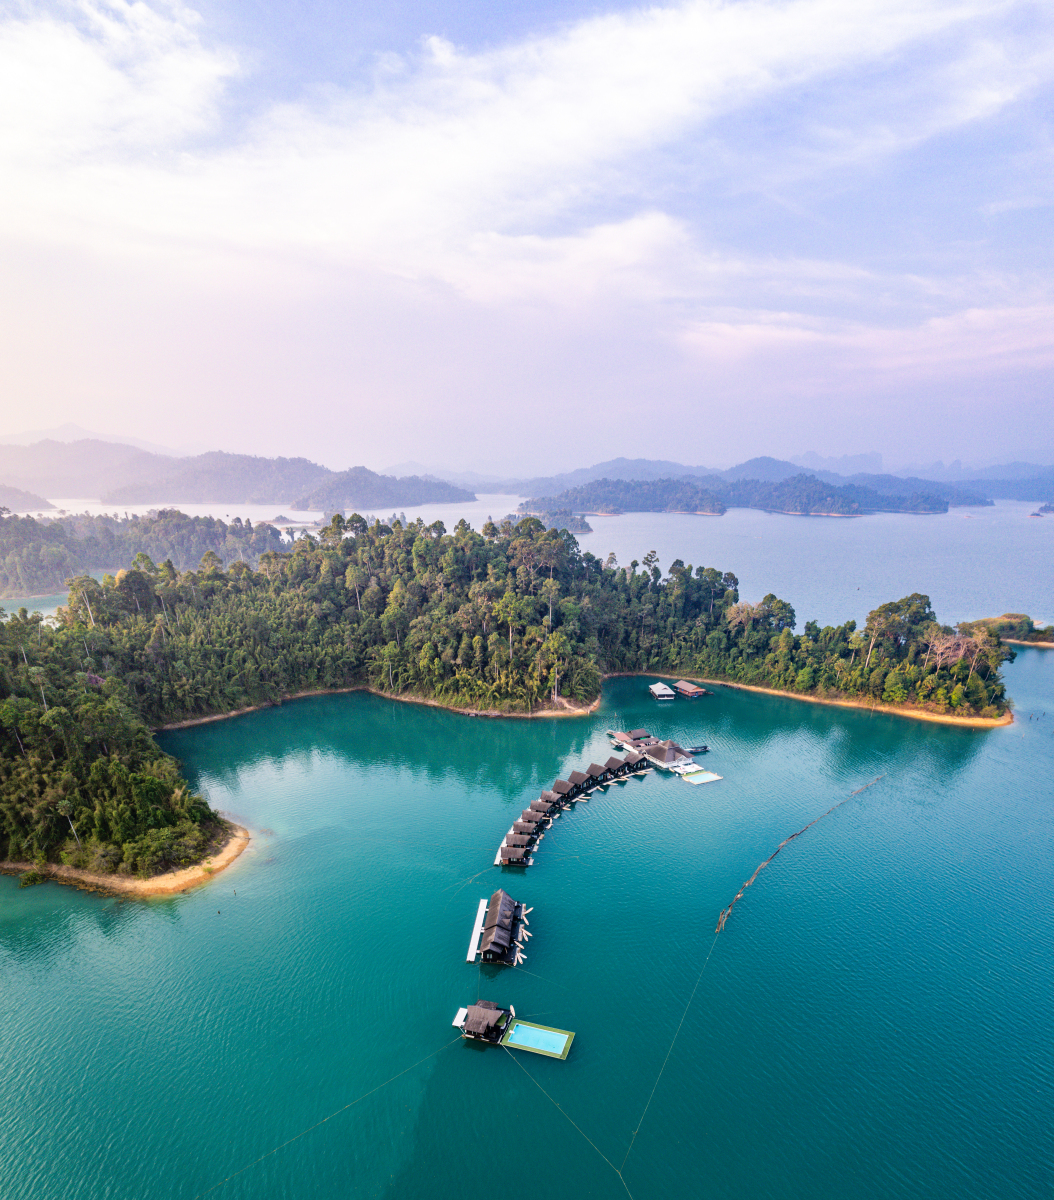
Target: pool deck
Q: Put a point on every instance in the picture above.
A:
(567, 1034)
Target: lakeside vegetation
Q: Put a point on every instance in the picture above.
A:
(511, 619)
(1017, 627)
(38, 557)
(802, 495)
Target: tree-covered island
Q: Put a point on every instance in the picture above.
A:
(511, 620)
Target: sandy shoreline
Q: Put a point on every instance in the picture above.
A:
(569, 708)
(159, 885)
(1038, 645)
(566, 708)
(916, 714)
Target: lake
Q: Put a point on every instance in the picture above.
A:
(875, 1020)
(976, 562)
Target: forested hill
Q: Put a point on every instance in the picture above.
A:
(802, 495)
(125, 475)
(510, 619)
(37, 557)
(361, 488)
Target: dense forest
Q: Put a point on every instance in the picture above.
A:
(37, 557)
(512, 619)
(802, 495)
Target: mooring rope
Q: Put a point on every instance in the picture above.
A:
(727, 912)
(335, 1113)
(617, 1170)
(676, 1034)
(720, 926)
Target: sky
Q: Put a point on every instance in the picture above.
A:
(520, 238)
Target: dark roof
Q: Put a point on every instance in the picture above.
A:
(530, 816)
(613, 763)
(517, 839)
(552, 797)
(530, 827)
(513, 852)
(496, 939)
(633, 757)
(541, 806)
(561, 786)
(596, 770)
(577, 777)
(483, 1016)
(500, 910)
(636, 734)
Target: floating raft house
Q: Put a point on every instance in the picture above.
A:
(485, 1021)
(661, 691)
(691, 690)
(499, 931)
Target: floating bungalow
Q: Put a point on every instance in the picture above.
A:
(564, 789)
(660, 691)
(692, 690)
(530, 817)
(669, 755)
(484, 1021)
(597, 775)
(499, 930)
(513, 856)
(615, 767)
(579, 780)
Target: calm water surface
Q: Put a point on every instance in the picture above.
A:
(875, 1021)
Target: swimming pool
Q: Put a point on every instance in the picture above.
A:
(537, 1037)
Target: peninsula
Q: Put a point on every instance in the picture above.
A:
(514, 619)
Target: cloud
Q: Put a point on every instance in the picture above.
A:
(536, 189)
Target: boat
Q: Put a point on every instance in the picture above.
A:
(698, 749)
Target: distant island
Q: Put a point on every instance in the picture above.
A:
(1018, 628)
(125, 475)
(801, 495)
(14, 499)
(514, 619)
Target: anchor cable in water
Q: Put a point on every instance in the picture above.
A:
(727, 912)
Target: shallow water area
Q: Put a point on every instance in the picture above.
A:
(875, 1020)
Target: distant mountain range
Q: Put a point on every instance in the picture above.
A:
(121, 475)
(1023, 481)
(128, 475)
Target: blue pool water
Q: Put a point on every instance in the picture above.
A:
(538, 1039)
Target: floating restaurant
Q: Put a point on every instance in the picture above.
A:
(499, 931)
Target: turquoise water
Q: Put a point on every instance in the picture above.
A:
(539, 1039)
(875, 1020)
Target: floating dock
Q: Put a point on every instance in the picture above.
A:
(477, 931)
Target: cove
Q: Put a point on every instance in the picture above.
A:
(874, 1020)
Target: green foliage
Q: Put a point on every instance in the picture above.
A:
(37, 557)
(508, 620)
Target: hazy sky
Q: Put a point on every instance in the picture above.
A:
(530, 237)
